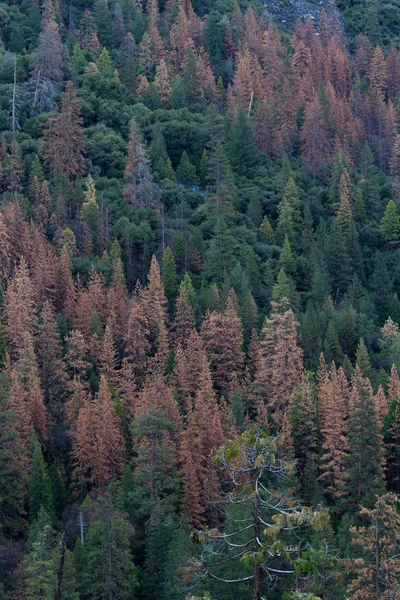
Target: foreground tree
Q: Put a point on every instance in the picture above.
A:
(265, 539)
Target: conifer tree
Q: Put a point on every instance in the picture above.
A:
(20, 308)
(223, 338)
(47, 64)
(305, 435)
(186, 172)
(64, 138)
(287, 259)
(137, 345)
(333, 397)
(14, 169)
(316, 145)
(184, 321)
(110, 571)
(363, 362)
(98, 445)
(140, 190)
(390, 225)
(41, 559)
(289, 214)
(363, 464)
(376, 572)
(280, 366)
(51, 366)
(14, 459)
(168, 274)
(40, 492)
(155, 303)
(155, 478)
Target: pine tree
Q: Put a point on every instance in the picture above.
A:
(287, 259)
(47, 63)
(41, 560)
(315, 142)
(305, 435)
(14, 169)
(375, 571)
(90, 208)
(137, 345)
(110, 571)
(14, 459)
(333, 397)
(155, 479)
(140, 190)
(192, 83)
(51, 366)
(98, 445)
(168, 274)
(20, 308)
(184, 321)
(219, 176)
(64, 138)
(40, 492)
(69, 585)
(363, 464)
(223, 338)
(363, 362)
(154, 303)
(186, 172)
(390, 225)
(280, 367)
(162, 82)
(289, 214)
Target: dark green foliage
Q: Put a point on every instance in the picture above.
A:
(241, 149)
(110, 570)
(364, 461)
(40, 492)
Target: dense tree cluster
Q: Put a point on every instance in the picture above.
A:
(199, 312)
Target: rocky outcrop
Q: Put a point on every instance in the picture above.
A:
(287, 12)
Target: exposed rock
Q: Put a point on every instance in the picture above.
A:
(288, 12)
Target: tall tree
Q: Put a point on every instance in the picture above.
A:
(223, 338)
(47, 63)
(140, 190)
(20, 309)
(64, 138)
(111, 573)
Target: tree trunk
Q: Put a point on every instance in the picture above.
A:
(60, 570)
(257, 581)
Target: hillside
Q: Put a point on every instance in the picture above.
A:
(199, 300)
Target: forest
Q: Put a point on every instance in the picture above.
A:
(199, 301)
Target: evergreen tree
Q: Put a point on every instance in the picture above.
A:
(47, 64)
(390, 225)
(191, 81)
(289, 214)
(168, 274)
(139, 189)
(41, 559)
(110, 572)
(241, 149)
(364, 477)
(40, 492)
(186, 172)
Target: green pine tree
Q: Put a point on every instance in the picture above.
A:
(40, 492)
(110, 572)
(390, 225)
(186, 172)
(168, 274)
